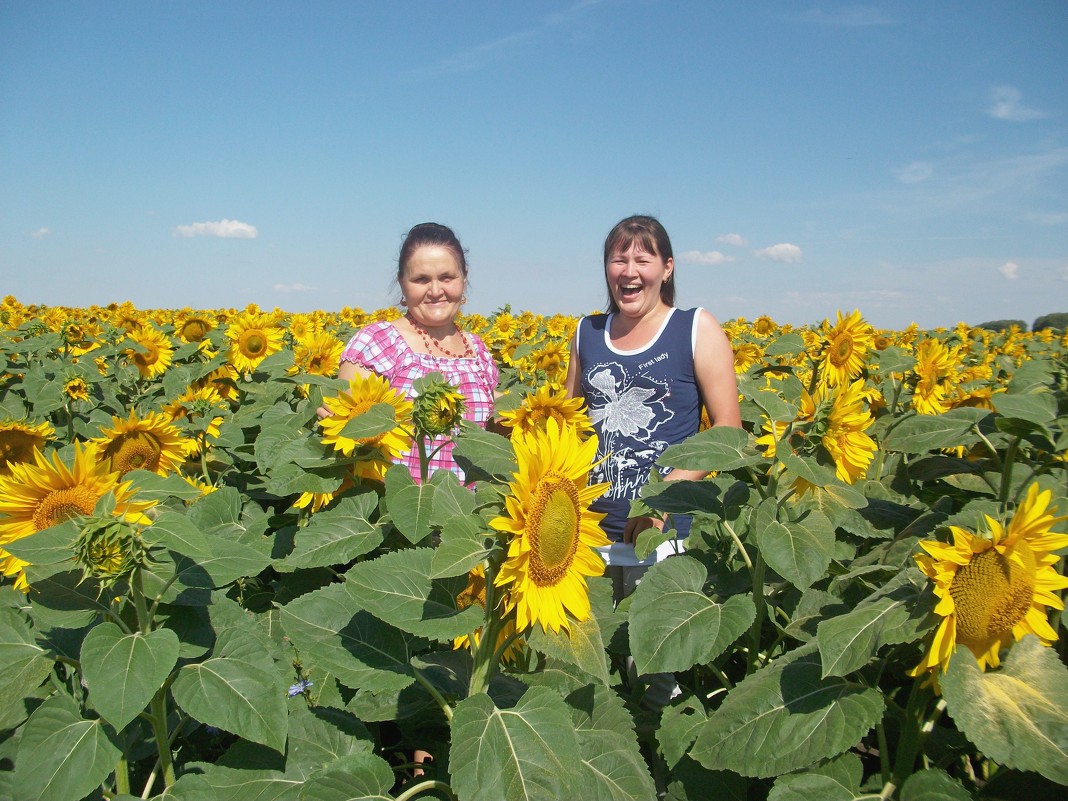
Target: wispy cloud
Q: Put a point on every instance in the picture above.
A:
(293, 288)
(1049, 218)
(473, 58)
(1006, 103)
(40, 233)
(224, 229)
(848, 16)
(784, 252)
(737, 240)
(1010, 270)
(914, 173)
(706, 257)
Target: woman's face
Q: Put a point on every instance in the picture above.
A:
(634, 278)
(433, 285)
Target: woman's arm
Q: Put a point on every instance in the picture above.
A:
(572, 383)
(346, 372)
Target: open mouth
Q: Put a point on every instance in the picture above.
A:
(630, 290)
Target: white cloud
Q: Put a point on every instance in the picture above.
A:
(1049, 218)
(784, 252)
(293, 288)
(1005, 105)
(224, 229)
(1010, 270)
(915, 172)
(737, 240)
(709, 257)
(40, 233)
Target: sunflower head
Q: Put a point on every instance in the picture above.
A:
(152, 351)
(846, 348)
(253, 337)
(995, 588)
(19, 440)
(376, 449)
(439, 407)
(76, 388)
(548, 402)
(552, 531)
(151, 443)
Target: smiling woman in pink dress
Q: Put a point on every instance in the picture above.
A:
(432, 274)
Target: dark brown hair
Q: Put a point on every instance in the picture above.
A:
(430, 233)
(650, 236)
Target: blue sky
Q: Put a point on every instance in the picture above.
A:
(909, 159)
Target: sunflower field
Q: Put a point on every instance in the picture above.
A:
(209, 593)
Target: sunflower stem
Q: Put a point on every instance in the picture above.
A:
(158, 719)
(761, 609)
(417, 789)
(912, 732)
(1006, 472)
(485, 654)
(741, 548)
(446, 707)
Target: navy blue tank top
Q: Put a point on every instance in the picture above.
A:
(640, 402)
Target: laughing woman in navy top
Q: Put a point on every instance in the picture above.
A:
(645, 369)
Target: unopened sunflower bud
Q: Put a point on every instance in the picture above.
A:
(439, 407)
(107, 549)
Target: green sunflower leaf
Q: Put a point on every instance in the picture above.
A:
(718, 448)
(484, 455)
(236, 696)
(1018, 715)
(785, 717)
(361, 776)
(202, 560)
(124, 671)
(462, 547)
(848, 641)
(929, 432)
(933, 785)
(674, 625)
(581, 647)
(331, 632)
(397, 588)
(60, 755)
(799, 551)
(377, 419)
(609, 748)
(336, 536)
(25, 663)
(528, 752)
(410, 504)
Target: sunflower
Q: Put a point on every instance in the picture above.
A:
(377, 452)
(846, 347)
(223, 380)
(554, 533)
(154, 352)
(763, 326)
(253, 337)
(935, 371)
(194, 326)
(475, 593)
(76, 389)
(993, 590)
(150, 443)
(19, 439)
(318, 353)
(746, 354)
(199, 408)
(549, 402)
(47, 492)
(844, 439)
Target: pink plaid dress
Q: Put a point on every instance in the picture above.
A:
(380, 348)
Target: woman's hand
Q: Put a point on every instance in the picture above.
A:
(636, 525)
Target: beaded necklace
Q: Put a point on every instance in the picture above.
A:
(427, 340)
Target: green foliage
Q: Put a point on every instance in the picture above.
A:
(292, 634)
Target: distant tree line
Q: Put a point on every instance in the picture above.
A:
(1058, 321)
